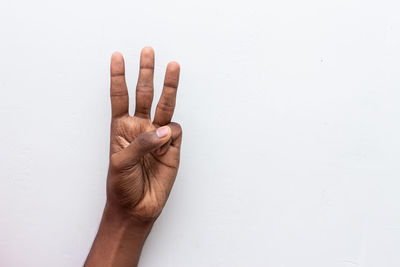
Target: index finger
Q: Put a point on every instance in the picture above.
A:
(166, 104)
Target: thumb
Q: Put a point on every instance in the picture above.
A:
(147, 142)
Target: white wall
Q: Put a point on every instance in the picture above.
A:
(291, 121)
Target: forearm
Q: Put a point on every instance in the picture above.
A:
(119, 241)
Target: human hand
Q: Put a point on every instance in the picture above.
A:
(144, 155)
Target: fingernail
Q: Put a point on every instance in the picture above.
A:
(162, 131)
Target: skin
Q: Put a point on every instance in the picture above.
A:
(144, 161)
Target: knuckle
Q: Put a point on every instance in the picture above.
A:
(176, 127)
(165, 106)
(145, 140)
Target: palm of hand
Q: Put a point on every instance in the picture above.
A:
(143, 165)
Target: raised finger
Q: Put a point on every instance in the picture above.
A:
(118, 90)
(166, 104)
(144, 88)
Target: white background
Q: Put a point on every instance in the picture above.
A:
(291, 120)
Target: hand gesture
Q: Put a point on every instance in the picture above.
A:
(144, 154)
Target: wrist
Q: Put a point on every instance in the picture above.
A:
(119, 240)
(114, 215)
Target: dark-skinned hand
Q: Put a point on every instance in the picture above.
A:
(144, 154)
